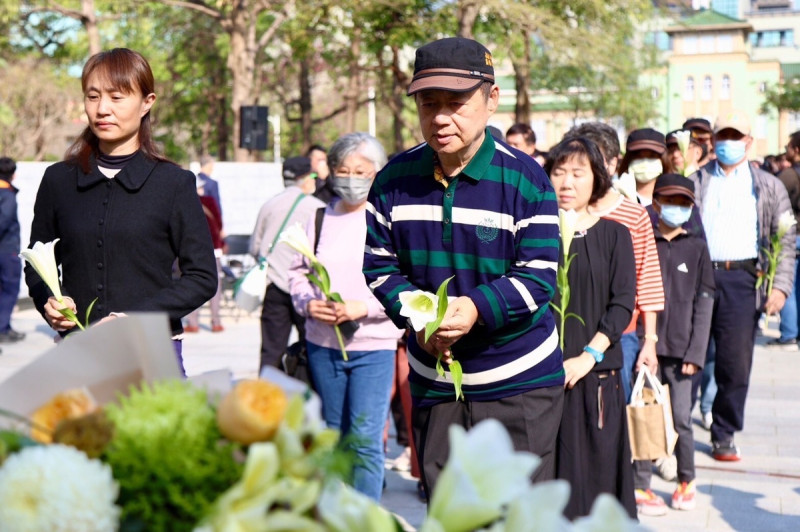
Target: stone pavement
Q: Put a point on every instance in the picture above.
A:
(761, 493)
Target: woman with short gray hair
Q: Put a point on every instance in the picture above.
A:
(355, 392)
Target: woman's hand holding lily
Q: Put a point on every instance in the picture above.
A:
(60, 311)
(295, 237)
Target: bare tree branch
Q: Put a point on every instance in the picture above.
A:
(197, 5)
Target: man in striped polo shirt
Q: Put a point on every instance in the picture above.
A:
(463, 204)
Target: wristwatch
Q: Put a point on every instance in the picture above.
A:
(598, 355)
(653, 337)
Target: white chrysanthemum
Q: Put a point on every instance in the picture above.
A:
(57, 489)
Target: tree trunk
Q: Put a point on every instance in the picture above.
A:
(396, 103)
(467, 14)
(522, 76)
(353, 85)
(241, 62)
(305, 104)
(89, 21)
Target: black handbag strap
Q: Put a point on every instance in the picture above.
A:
(318, 227)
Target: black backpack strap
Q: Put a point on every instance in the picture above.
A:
(318, 227)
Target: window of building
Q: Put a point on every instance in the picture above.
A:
(690, 44)
(726, 7)
(762, 87)
(787, 38)
(688, 89)
(724, 43)
(707, 86)
(725, 88)
(769, 39)
(663, 41)
(707, 44)
(654, 93)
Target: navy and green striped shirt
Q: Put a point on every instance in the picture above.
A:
(495, 228)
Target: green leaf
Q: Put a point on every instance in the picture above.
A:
(439, 368)
(89, 311)
(458, 377)
(441, 293)
(335, 296)
(573, 315)
(70, 315)
(315, 280)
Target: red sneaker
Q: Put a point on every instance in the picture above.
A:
(684, 496)
(191, 329)
(217, 328)
(648, 503)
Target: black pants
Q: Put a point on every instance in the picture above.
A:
(531, 419)
(277, 317)
(733, 329)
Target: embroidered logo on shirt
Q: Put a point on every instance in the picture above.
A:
(487, 230)
(682, 267)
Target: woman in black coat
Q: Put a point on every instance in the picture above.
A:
(123, 214)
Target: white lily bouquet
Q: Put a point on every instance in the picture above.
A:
(426, 311)
(785, 223)
(42, 258)
(684, 138)
(296, 238)
(566, 222)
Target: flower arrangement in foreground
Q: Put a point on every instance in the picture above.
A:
(173, 461)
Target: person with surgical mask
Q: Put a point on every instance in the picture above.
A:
(741, 207)
(355, 391)
(646, 159)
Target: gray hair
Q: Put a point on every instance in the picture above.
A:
(362, 143)
(205, 159)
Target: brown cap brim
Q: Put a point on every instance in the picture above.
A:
(447, 79)
(674, 190)
(646, 145)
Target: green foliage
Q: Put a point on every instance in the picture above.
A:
(167, 456)
(783, 97)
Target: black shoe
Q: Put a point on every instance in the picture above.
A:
(785, 345)
(725, 452)
(421, 493)
(11, 336)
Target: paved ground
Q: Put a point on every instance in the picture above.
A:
(761, 493)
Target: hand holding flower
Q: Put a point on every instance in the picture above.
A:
(54, 315)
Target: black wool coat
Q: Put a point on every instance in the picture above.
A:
(119, 239)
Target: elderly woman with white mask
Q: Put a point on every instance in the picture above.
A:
(355, 392)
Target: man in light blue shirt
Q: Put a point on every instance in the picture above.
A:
(740, 207)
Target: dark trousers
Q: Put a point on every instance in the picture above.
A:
(531, 419)
(733, 329)
(10, 271)
(680, 389)
(277, 317)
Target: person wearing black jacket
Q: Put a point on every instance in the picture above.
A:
(124, 215)
(685, 323)
(10, 266)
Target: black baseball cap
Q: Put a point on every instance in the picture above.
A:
(453, 64)
(646, 139)
(674, 185)
(698, 123)
(296, 167)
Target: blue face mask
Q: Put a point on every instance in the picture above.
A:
(675, 215)
(730, 151)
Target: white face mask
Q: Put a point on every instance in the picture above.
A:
(646, 170)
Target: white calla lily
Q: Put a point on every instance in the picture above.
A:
(483, 474)
(297, 238)
(684, 138)
(567, 220)
(343, 509)
(540, 507)
(785, 222)
(42, 258)
(419, 306)
(607, 515)
(626, 185)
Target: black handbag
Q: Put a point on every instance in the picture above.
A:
(294, 362)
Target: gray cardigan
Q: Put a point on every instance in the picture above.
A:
(772, 201)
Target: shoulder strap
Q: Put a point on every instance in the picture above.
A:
(318, 227)
(280, 229)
